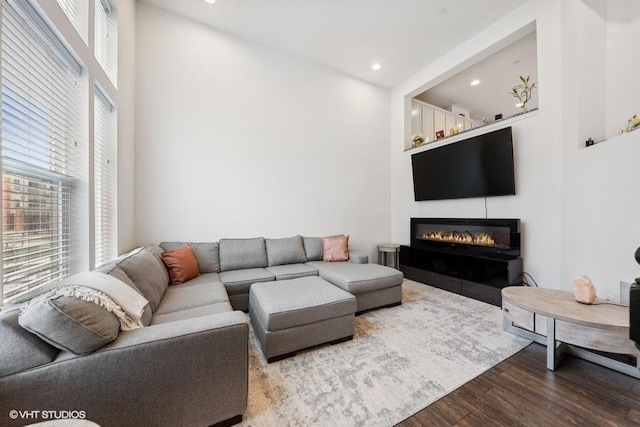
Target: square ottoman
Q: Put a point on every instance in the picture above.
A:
(289, 315)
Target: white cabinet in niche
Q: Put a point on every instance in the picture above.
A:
(429, 120)
(428, 127)
(438, 123)
(416, 119)
(449, 124)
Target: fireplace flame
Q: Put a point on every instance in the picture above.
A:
(465, 237)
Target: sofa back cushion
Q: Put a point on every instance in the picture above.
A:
(236, 254)
(289, 250)
(116, 271)
(70, 323)
(313, 248)
(20, 349)
(207, 254)
(148, 272)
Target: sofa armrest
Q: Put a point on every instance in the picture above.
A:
(358, 258)
(188, 372)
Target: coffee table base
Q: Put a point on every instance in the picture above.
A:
(556, 350)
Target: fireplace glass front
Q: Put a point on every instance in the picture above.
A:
(485, 233)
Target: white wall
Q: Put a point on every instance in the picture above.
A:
(237, 140)
(601, 196)
(622, 64)
(578, 206)
(537, 150)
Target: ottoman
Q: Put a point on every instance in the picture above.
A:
(373, 285)
(289, 315)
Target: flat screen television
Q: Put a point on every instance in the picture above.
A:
(480, 166)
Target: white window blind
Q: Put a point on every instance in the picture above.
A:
(106, 38)
(105, 179)
(76, 11)
(40, 134)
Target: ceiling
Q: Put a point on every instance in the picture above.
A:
(497, 75)
(404, 36)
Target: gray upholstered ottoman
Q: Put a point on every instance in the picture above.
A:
(289, 315)
(373, 285)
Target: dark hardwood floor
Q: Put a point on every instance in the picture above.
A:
(520, 391)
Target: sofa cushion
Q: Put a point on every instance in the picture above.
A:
(358, 278)
(192, 313)
(204, 278)
(289, 250)
(20, 348)
(185, 297)
(292, 271)
(146, 269)
(113, 269)
(206, 254)
(313, 248)
(335, 248)
(70, 323)
(239, 281)
(117, 272)
(182, 264)
(236, 254)
(291, 303)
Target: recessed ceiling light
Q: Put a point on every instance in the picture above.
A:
(376, 66)
(475, 82)
(210, 1)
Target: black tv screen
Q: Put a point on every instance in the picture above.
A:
(476, 167)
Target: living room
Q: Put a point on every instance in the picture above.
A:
(343, 124)
(220, 135)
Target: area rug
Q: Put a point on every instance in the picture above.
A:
(400, 360)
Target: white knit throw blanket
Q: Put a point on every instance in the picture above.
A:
(98, 298)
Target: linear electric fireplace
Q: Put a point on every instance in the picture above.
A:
(472, 257)
(496, 235)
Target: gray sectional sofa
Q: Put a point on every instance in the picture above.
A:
(189, 364)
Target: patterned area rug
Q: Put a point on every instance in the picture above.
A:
(401, 359)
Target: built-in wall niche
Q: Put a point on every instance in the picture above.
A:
(478, 92)
(606, 68)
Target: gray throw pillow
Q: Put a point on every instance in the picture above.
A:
(20, 349)
(69, 323)
(313, 248)
(289, 250)
(206, 254)
(236, 254)
(119, 274)
(149, 274)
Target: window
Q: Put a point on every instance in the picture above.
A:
(105, 179)
(106, 38)
(77, 12)
(40, 132)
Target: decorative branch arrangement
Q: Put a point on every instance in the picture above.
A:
(523, 91)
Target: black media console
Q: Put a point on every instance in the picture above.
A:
(472, 257)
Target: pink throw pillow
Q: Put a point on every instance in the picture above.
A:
(584, 291)
(335, 248)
